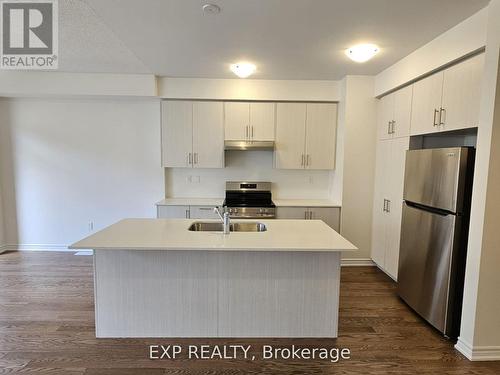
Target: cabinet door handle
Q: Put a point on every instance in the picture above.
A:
(308, 160)
(302, 160)
(187, 214)
(205, 208)
(190, 159)
(389, 127)
(388, 205)
(246, 132)
(252, 133)
(393, 127)
(442, 116)
(305, 215)
(195, 158)
(311, 215)
(435, 114)
(385, 205)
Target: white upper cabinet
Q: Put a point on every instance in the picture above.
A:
(320, 136)
(192, 134)
(262, 121)
(461, 94)
(246, 121)
(290, 135)
(208, 135)
(385, 116)
(426, 104)
(394, 114)
(448, 100)
(402, 112)
(305, 136)
(177, 133)
(236, 120)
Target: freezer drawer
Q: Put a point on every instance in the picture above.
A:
(426, 276)
(436, 177)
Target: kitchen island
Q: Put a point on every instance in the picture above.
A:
(156, 278)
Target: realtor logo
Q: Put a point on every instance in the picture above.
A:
(29, 34)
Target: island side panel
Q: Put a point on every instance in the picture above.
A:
(155, 293)
(279, 294)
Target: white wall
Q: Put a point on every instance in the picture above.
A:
(357, 129)
(480, 330)
(465, 38)
(248, 165)
(248, 89)
(67, 162)
(36, 83)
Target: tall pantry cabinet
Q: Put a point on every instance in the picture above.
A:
(394, 115)
(447, 100)
(388, 203)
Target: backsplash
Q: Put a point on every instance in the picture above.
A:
(253, 166)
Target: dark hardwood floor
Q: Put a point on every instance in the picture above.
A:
(47, 327)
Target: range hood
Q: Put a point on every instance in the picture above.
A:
(249, 145)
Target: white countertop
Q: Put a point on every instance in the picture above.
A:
(173, 234)
(219, 201)
(305, 203)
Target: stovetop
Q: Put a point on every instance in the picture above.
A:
(249, 199)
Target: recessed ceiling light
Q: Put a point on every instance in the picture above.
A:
(362, 52)
(243, 69)
(211, 9)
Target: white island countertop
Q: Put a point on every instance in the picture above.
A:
(173, 234)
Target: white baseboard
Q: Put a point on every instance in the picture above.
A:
(357, 262)
(38, 247)
(478, 353)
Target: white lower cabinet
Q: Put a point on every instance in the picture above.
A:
(330, 215)
(202, 212)
(173, 212)
(388, 201)
(186, 212)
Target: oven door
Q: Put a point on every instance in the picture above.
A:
(251, 212)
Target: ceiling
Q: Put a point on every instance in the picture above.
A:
(286, 39)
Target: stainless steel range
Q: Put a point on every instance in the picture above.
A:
(249, 200)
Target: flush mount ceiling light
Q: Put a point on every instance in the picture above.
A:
(211, 9)
(362, 52)
(243, 69)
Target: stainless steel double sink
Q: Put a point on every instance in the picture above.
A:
(209, 226)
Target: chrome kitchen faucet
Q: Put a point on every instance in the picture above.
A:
(225, 219)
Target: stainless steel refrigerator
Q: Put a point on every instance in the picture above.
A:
(437, 190)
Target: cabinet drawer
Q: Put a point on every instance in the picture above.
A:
(203, 212)
(173, 212)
